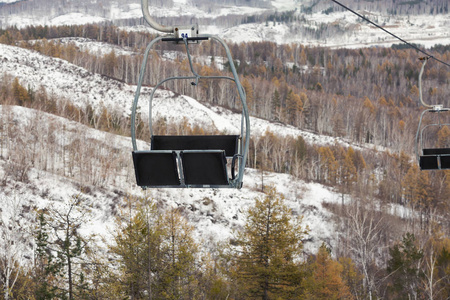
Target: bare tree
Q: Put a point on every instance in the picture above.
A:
(13, 243)
(365, 229)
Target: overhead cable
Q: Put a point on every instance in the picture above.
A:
(390, 33)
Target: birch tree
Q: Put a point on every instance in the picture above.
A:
(13, 244)
(364, 231)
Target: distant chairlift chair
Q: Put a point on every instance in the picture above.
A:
(431, 158)
(189, 161)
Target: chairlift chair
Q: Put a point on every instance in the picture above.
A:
(431, 157)
(189, 161)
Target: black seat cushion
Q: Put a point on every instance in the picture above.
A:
(155, 168)
(204, 167)
(428, 163)
(445, 162)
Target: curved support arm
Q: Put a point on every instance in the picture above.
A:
(138, 91)
(419, 135)
(425, 59)
(246, 119)
(151, 22)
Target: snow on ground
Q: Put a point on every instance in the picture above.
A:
(214, 213)
(75, 19)
(9, 1)
(65, 79)
(257, 32)
(130, 11)
(95, 47)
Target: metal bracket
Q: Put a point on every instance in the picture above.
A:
(186, 32)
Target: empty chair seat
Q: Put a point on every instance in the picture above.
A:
(156, 168)
(204, 168)
(228, 143)
(429, 162)
(445, 162)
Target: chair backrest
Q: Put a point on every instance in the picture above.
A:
(228, 143)
(436, 151)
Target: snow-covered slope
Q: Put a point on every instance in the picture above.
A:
(9, 1)
(214, 219)
(215, 213)
(331, 29)
(63, 79)
(82, 88)
(348, 32)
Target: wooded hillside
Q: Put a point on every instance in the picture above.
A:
(367, 98)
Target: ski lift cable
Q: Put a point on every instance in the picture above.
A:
(390, 33)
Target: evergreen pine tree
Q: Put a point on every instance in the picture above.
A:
(404, 268)
(44, 268)
(156, 255)
(269, 247)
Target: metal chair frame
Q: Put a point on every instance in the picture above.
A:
(432, 155)
(188, 35)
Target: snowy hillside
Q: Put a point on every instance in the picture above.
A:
(215, 213)
(214, 220)
(82, 88)
(350, 32)
(324, 28)
(9, 1)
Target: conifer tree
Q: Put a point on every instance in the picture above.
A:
(178, 255)
(20, 93)
(443, 269)
(269, 246)
(404, 267)
(325, 281)
(293, 107)
(250, 97)
(130, 247)
(349, 175)
(328, 164)
(69, 245)
(409, 184)
(351, 276)
(156, 255)
(276, 106)
(45, 269)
